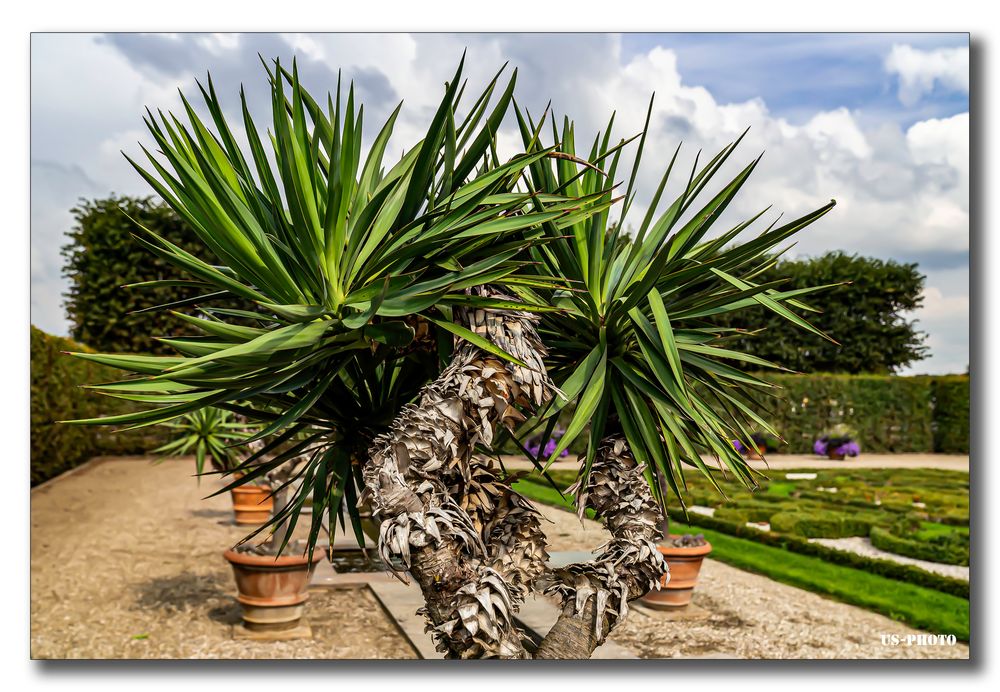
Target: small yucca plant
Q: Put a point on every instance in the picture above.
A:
(210, 435)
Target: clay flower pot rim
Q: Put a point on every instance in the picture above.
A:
(689, 551)
(251, 489)
(270, 560)
(258, 485)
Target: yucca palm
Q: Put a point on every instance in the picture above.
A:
(401, 327)
(649, 377)
(361, 280)
(209, 434)
(355, 270)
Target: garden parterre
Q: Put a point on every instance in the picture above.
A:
(924, 511)
(919, 513)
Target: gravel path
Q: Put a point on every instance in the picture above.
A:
(126, 562)
(749, 616)
(863, 546)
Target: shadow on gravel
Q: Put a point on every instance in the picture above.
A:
(181, 592)
(213, 514)
(228, 614)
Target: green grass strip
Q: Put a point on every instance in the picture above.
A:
(915, 606)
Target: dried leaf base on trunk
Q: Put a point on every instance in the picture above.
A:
(595, 594)
(473, 545)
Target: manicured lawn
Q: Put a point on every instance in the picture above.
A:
(920, 607)
(780, 489)
(930, 529)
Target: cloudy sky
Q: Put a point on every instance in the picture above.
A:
(880, 122)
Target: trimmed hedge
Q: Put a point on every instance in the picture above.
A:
(756, 510)
(884, 568)
(951, 413)
(821, 524)
(744, 514)
(889, 413)
(943, 551)
(56, 395)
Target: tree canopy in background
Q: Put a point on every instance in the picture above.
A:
(865, 316)
(102, 256)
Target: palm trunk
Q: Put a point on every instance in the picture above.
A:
(595, 594)
(473, 545)
(436, 502)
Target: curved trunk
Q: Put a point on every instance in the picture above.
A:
(440, 507)
(474, 546)
(595, 594)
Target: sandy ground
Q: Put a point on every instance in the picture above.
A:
(126, 562)
(947, 462)
(748, 616)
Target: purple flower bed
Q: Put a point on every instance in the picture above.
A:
(759, 440)
(535, 446)
(827, 445)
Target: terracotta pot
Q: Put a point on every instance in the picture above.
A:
(252, 504)
(835, 457)
(684, 563)
(272, 591)
(755, 454)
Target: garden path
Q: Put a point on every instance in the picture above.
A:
(126, 562)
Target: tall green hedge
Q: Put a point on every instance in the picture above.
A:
(951, 413)
(56, 395)
(888, 413)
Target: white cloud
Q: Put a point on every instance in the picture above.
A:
(945, 318)
(897, 192)
(218, 44)
(941, 141)
(919, 70)
(837, 130)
